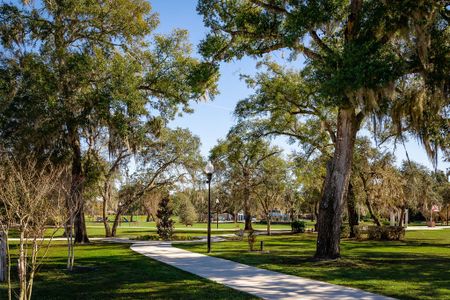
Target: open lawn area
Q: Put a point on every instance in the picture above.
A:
(113, 271)
(417, 268)
(142, 228)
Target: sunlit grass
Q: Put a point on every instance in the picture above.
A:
(113, 271)
(417, 268)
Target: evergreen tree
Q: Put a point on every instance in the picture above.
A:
(187, 213)
(165, 222)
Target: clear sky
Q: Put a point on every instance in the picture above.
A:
(212, 120)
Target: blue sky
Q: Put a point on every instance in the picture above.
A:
(212, 120)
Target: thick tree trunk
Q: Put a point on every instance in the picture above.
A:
(76, 191)
(248, 221)
(401, 220)
(81, 235)
(131, 217)
(336, 186)
(247, 212)
(351, 208)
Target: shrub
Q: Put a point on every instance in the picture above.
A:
(175, 237)
(298, 226)
(360, 231)
(165, 223)
(345, 231)
(388, 233)
(187, 213)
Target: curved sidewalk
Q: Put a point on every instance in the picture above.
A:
(259, 282)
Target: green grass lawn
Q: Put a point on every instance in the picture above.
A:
(140, 228)
(417, 268)
(113, 271)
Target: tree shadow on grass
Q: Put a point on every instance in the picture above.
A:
(113, 271)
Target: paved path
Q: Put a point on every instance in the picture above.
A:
(262, 283)
(426, 228)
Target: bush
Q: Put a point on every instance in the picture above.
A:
(386, 233)
(360, 231)
(298, 226)
(187, 213)
(345, 231)
(175, 237)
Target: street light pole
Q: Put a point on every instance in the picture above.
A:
(217, 208)
(209, 170)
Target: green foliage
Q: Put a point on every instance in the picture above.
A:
(298, 226)
(155, 237)
(421, 188)
(345, 231)
(387, 233)
(186, 212)
(378, 58)
(165, 222)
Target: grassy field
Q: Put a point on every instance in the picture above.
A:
(140, 228)
(417, 268)
(113, 271)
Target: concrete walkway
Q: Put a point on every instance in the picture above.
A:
(259, 282)
(412, 228)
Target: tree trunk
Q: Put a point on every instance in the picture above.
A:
(248, 221)
(22, 267)
(367, 200)
(116, 222)
(131, 217)
(247, 212)
(372, 214)
(81, 235)
(105, 219)
(148, 213)
(106, 199)
(3, 256)
(351, 207)
(76, 191)
(336, 186)
(268, 224)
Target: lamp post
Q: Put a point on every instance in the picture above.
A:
(217, 208)
(209, 170)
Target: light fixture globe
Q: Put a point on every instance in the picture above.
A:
(209, 169)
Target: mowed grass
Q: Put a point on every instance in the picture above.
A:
(141, 228)
(113, 271)
(417, 268)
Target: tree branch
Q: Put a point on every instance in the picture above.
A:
(270, 7)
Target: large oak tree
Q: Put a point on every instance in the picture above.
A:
(382, 58)
(73, 69)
